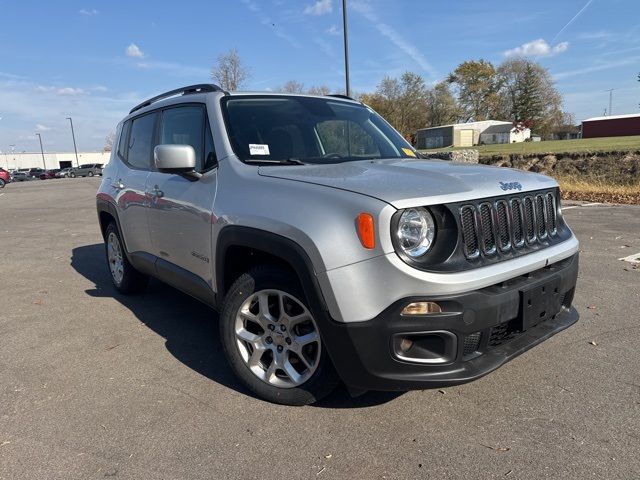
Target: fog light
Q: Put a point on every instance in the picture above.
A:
(421, 308)
(405, 345)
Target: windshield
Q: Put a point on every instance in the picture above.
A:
(310, 130)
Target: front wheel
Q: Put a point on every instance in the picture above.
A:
(72, 175)
(2, 183)
(90, 174)
(272, 340)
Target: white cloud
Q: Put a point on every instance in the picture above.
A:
(321, 7)
(42, 128)
(537, 48)
(333, 30)
(134, 51)
(63, 91)
(394, 36)
(88, 12)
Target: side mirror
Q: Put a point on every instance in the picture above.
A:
(174, 158)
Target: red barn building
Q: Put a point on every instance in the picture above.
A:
(613, 126)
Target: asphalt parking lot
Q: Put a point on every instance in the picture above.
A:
(97, 385)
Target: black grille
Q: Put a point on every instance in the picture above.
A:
(505, 224)
(551, 213)
(516, 218)
(469, 234)
(501, 333)
(540, 217)
(529, 220)
(471, 343)
(488, 237)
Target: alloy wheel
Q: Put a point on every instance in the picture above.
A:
(277, 338)
(114, 255)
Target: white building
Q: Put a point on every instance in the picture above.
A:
(11, 161)
(504, 133)
(467, 134)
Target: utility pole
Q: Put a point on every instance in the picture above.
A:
(12, 147)
(611, 90)
(42, 151)
(346, 47)
(73, 135)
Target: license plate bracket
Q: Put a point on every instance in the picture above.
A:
(539, 302)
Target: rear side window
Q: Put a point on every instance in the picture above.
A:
(141, 141)
(122, 145)
(185, 126)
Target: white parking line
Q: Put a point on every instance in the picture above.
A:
(569, 208)
(635, 258)
(591, 204)
(1, 194)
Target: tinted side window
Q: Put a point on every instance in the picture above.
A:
(141, 141)
(183, 126)
(122, 145)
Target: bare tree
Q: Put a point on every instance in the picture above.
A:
(292, 86)
(320, 90)
(230, 72)
(108, 141)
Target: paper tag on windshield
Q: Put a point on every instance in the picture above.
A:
(258, 149)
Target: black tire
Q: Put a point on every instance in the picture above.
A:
(72, 175)
(132, 280)
(2, 183)
(90, 173)
(324, 379)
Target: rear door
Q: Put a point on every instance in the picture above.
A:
(130, 186)
(180, 213)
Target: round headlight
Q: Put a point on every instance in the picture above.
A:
(416, 231)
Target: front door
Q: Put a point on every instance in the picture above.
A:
(180, 222)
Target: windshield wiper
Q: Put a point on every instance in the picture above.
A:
(282, 161)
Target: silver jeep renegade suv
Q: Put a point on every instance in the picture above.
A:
(331, 249)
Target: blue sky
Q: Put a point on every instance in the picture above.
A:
(94, 60)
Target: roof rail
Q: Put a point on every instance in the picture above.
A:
(200, 88)
(340, 95)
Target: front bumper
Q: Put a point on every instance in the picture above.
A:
(482, 329)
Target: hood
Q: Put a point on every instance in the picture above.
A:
(411, 182)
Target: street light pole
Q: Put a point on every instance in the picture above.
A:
(42, 151)
(346, 47)
(73, 135)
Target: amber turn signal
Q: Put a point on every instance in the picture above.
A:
(366, 231)
(421, 308)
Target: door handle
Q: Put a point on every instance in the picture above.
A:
(118, 185)
(156, 192)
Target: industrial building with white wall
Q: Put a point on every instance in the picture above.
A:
(470, 134)
(14, 161)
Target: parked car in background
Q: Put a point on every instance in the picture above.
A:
(20, 176)
(64, 173)
(5, 177)
(48, 174)
(35, 172)
(86, 170)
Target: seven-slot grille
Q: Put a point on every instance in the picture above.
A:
(503, 225)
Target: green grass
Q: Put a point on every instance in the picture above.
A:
(608, 144)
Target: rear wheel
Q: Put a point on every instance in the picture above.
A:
(272, 340)
(90, 173)
(2, 183)
(124, 276)
(72, 175)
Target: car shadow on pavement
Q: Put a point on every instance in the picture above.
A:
(189, 327)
